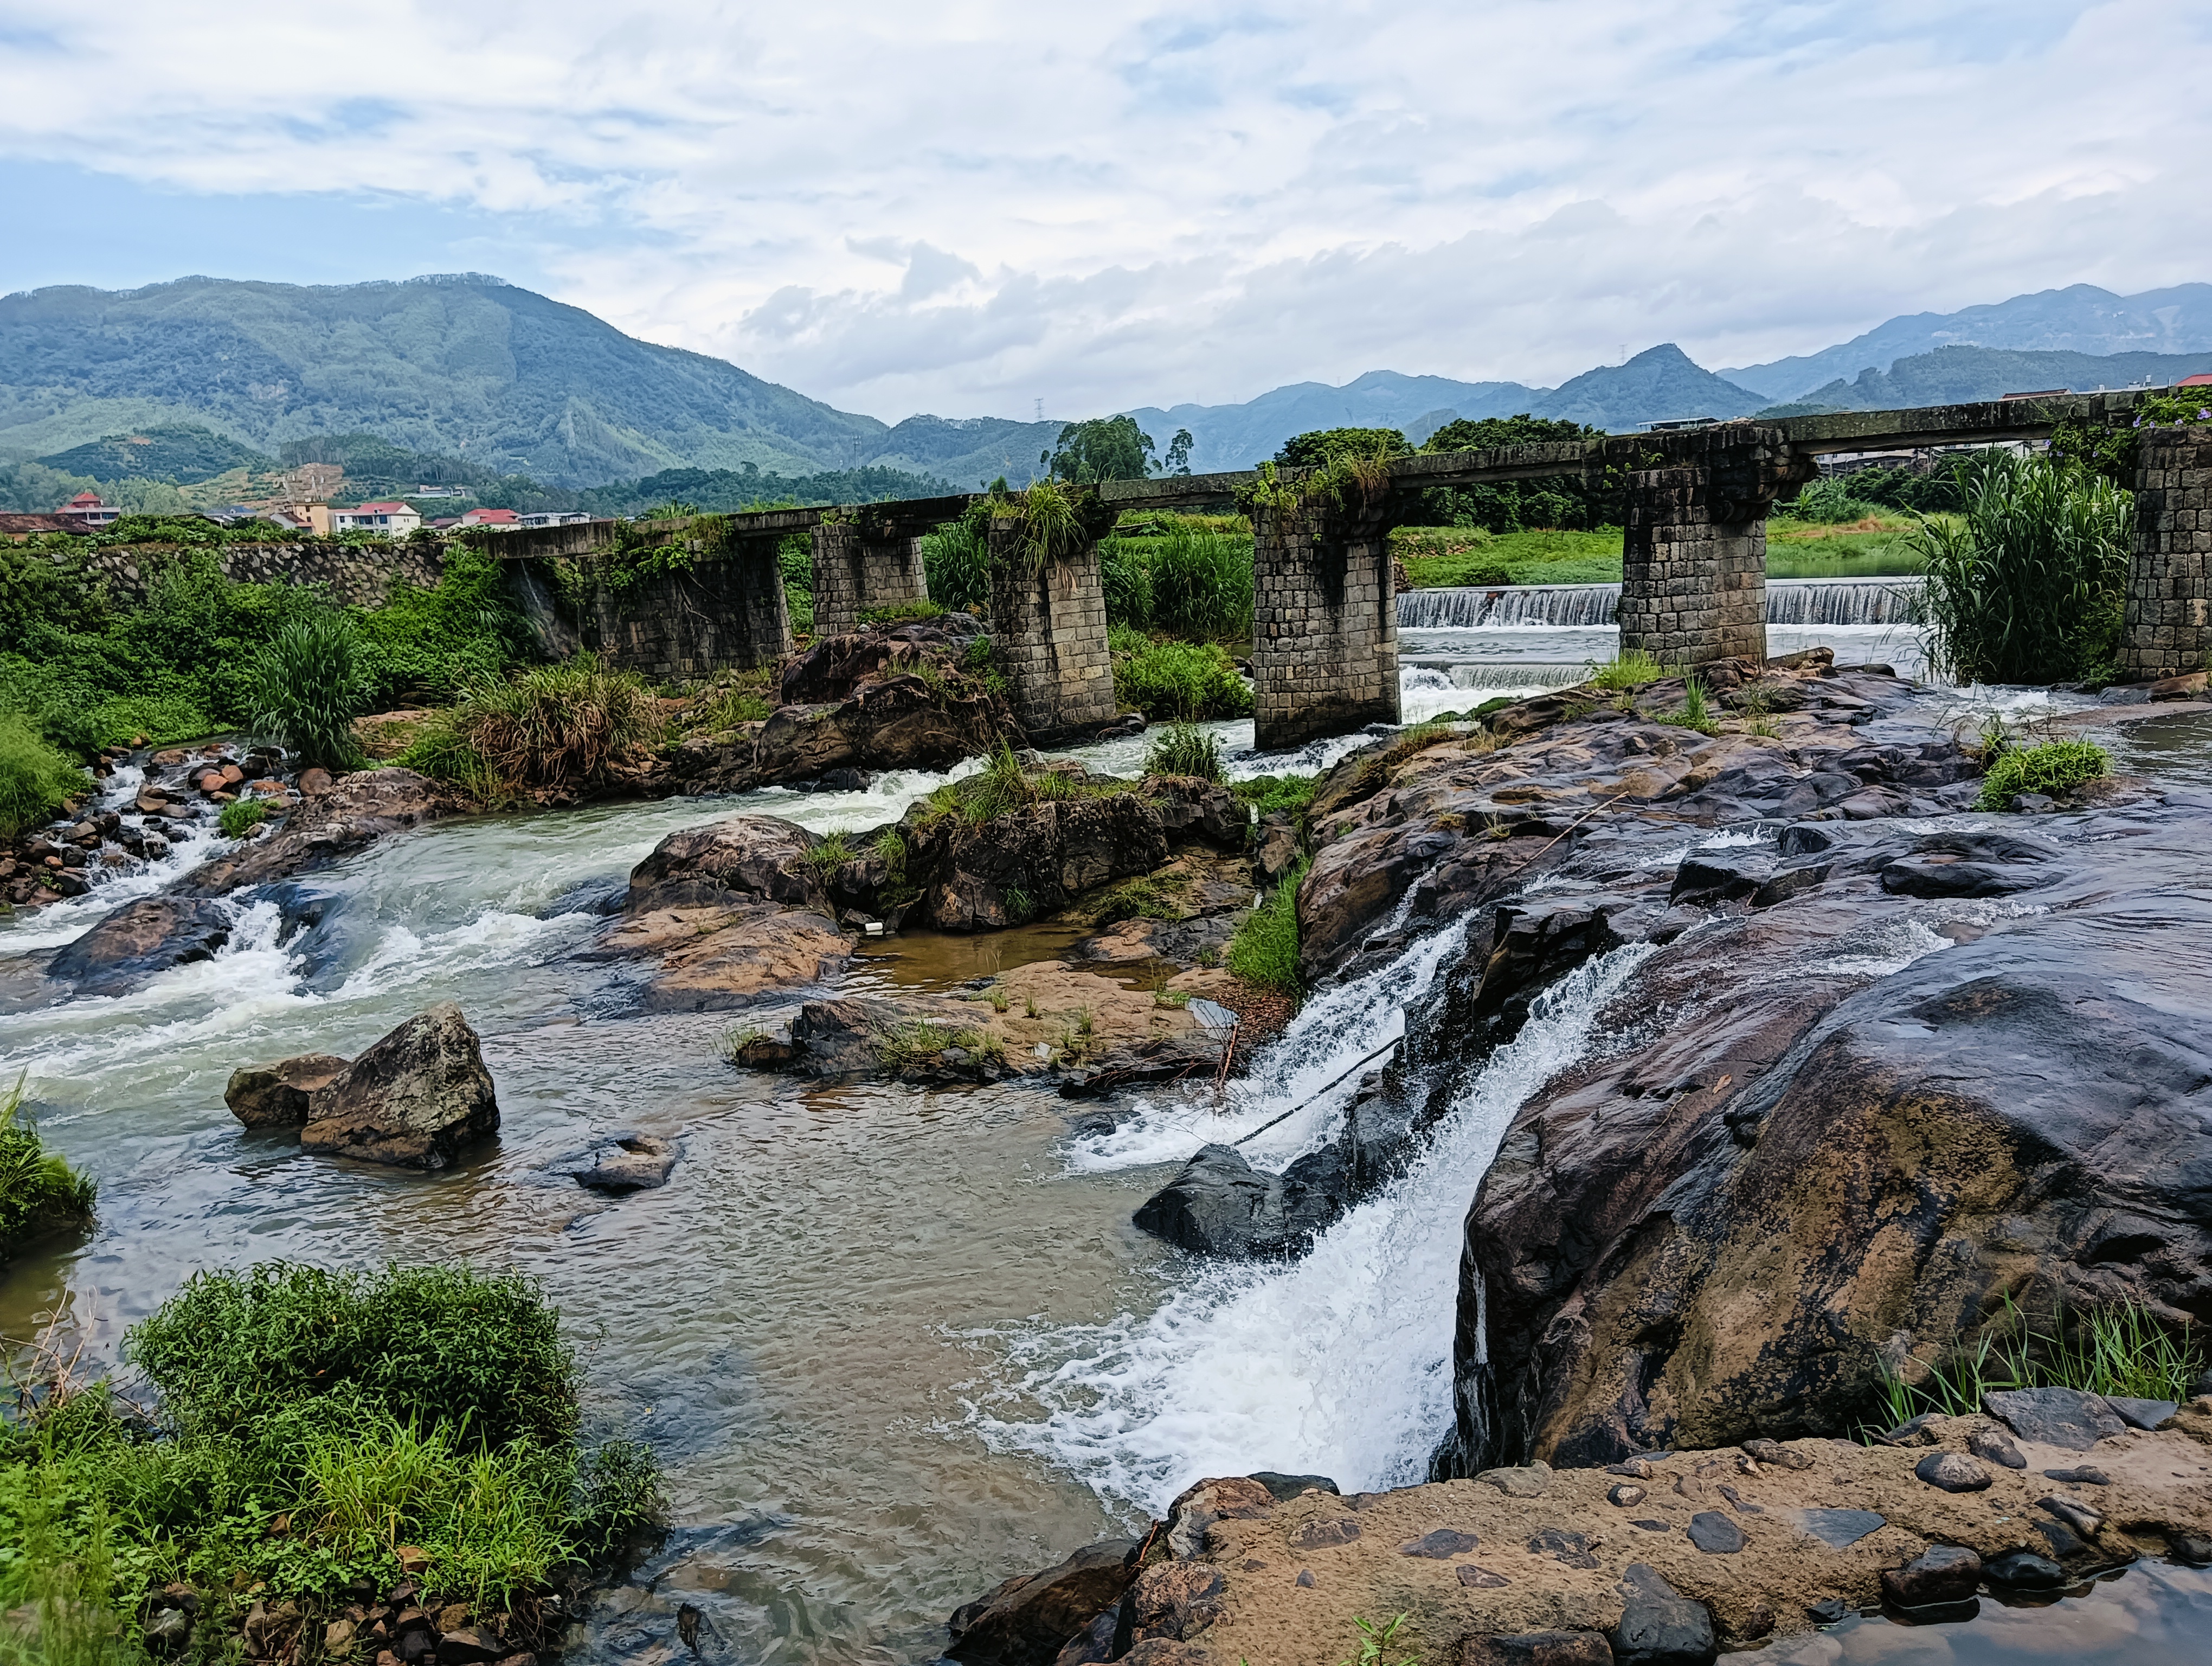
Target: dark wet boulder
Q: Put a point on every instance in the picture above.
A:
(277, 1096)
(1721, 875)
(1945, 1573)
(1278, 849)
(1032, 860)
(416, 1099)
(632, 1163)
(1659, 1626)
(1220, 1205)
(1971, 863)
(140, 940)
(1028, 1619)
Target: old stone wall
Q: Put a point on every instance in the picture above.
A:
(1693, 589)
(2169, 607)
(356, 575)
(1324, 625)
(1048, 636)
(725, 611)
(858, 566)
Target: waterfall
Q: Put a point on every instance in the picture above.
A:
(1789, 601)
(1339, 1363)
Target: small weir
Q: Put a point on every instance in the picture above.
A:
(1788, 602)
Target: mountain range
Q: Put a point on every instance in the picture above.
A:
(101, 384)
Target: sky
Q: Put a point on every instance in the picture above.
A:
(971, 206)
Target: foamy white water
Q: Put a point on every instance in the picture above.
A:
(1338, 1364)
(1297, 1073)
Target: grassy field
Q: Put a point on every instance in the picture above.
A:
(1441, 556)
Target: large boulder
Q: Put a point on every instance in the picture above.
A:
(892, 719)
(1220, 1205)
(416, 1099)
(1867, 1122)
(1031, 861)
(277, 1095)
(737, 859)
(140, 940)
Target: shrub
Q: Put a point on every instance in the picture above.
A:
(38, 1190)
(956, 561)
(241, 816)
(434, 643)
(2052, 767)
(36, 779)
(1185, 749)
(1265, 950)
(2024, 586)
(1184, 680)
(562, 726)
(1277, 792)
(902, 612)
(308, 685)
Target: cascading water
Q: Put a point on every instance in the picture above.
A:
(1339, 1363)
(1788, 602)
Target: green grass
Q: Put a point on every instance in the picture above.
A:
(39, 1191)
(1695, 713)
(1145, 898)
(2122, 1349)
(309, 1423)
(2053, 768)
(1265, 950)
(1186, 576)
(1531, 558)
(308, 686)
(1185, 749)
(1293, 792)
(241, 816)
(560, 725)
(1190, 681)
(1631, 668)
(833, 852)
(35, 779)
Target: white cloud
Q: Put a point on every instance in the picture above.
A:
(962, 207)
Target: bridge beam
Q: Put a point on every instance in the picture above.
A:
(1324, 624)
(1049, 633)
(2168, 630)
(1693, 578)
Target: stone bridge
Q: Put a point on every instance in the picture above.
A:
(1325, 634)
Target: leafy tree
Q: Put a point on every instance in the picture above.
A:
(1104, 448)
(1568, 502)
(1324, 444)
(1178, 457)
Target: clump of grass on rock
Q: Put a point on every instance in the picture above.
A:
(308, 686)
(558, 726)
(2053, 768)
(39, 1192)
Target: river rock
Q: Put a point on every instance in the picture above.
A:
(1715, 1534)
(1997, 1446)
(2141, 1413)
(275, 1096)
(1954, 1472)
(415, 1099)
(139, 941)
(2023, 1570)
(1219, 1205)
(2057, 1417)
(1223, 1499)
(1528, 1480)
(739, 860)
(1026, 1621)
(1660, 1626)
(1946, 1573)
(1440, 1544)
(634, 1163)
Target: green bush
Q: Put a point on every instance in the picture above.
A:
(1185, 749)
(1265, 950)
(1201, 583)
(1277, 792)
(309, 683)
(2054, 767)
(36, 779)
(430, 644)
(1184, 680)
(563, 726)
(2025, 585)
(1828, 502)
(310, 1423)
(38, 1190)
(241, 816)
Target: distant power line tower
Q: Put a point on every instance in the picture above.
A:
(1040, 410)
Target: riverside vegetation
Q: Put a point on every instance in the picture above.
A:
(318, 1439)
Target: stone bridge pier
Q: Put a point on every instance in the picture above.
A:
(1048, 632)
(1324, 623)
(870, 557)
(2168, 629)
(1693, 578)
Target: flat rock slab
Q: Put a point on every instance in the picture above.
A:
(1715, 1534)
(1441, 1545)
(2141, 1413)
(1838, 1529)
(2057, 1417)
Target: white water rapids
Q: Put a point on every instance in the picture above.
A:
(1337, 1362)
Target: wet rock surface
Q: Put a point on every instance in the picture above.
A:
(416, 1099)
(277, 1095)
(140, 940)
